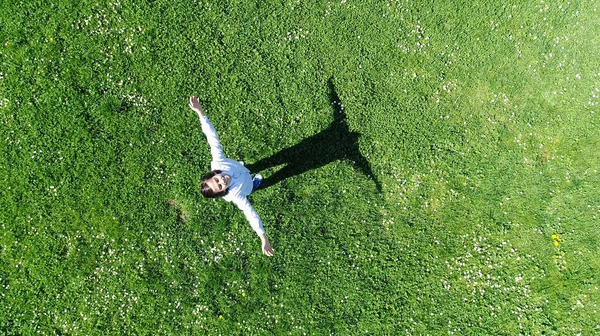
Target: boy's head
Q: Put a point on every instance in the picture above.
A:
(214, 184)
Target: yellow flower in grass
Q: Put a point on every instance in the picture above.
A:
(555, 243)
(243, 293)
(554, 236)
(220, 317)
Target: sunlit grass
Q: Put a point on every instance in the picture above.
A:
(480, 120)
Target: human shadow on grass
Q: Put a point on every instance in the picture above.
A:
(336, 142)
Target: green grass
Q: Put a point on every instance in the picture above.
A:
(480, 120)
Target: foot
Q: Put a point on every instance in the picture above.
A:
(256, 181)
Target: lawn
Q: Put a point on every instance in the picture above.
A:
(438, 167)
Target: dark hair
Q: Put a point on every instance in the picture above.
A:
(206, 190)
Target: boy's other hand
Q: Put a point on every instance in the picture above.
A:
(266, 248)
(195, 105)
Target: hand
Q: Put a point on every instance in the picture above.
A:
(195, 105)
(266, 246)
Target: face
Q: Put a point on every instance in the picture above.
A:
(219, 182)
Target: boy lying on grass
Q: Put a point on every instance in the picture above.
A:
(229, 179)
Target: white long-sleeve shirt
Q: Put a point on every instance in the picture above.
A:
(241, 181)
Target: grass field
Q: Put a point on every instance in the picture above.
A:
(479, 122)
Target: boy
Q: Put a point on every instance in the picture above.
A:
(229, 179)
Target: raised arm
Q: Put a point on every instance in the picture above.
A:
(216, 150)
(252, 216)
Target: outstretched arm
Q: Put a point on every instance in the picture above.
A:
(211, 135)
(243, 204)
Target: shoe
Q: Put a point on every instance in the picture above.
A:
(256, 181)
